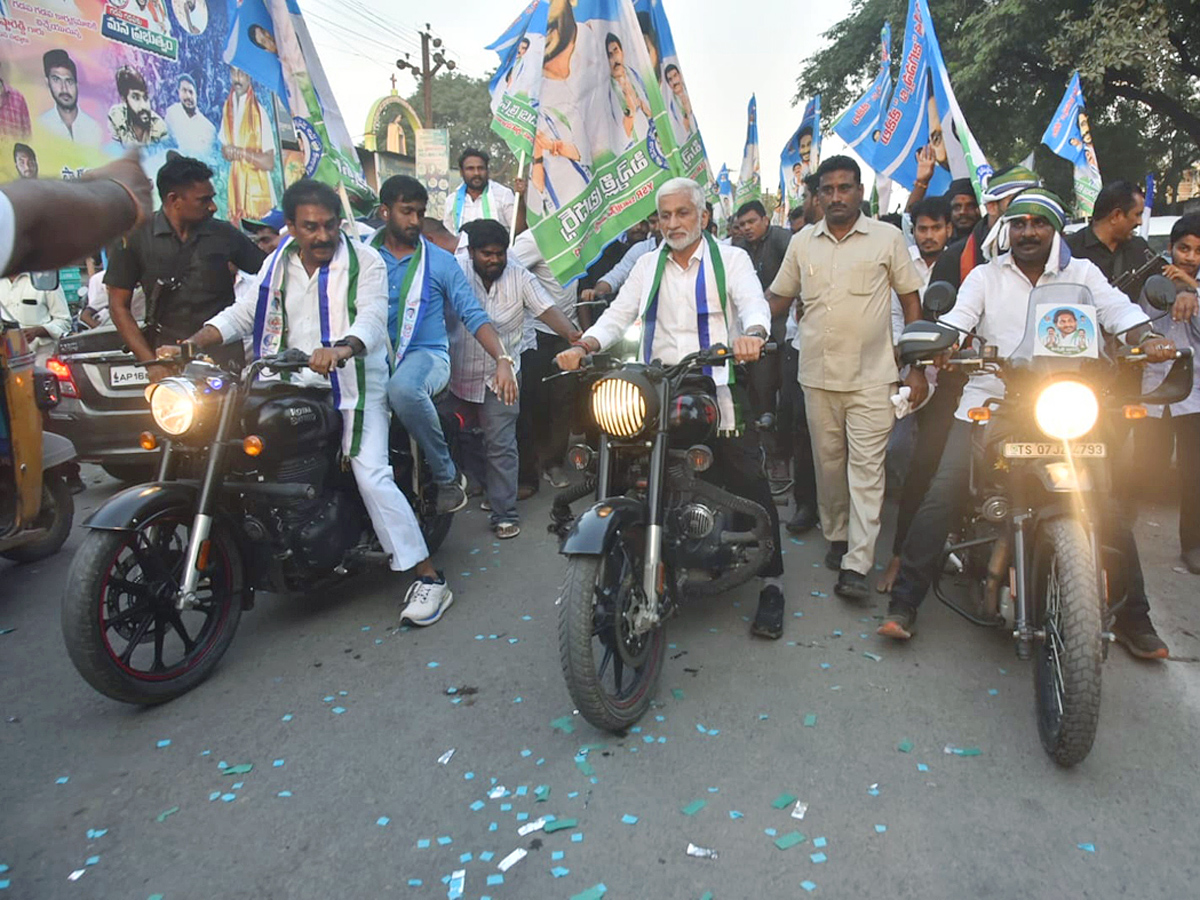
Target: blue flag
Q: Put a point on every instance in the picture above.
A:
(800, 156)
(508, 44)
(1070, 136)
(859, 125)
(250, 28)
(925, 113)
(749, 186)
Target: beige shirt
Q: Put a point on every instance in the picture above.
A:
(845, 290)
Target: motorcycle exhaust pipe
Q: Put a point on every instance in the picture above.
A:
(997, 576)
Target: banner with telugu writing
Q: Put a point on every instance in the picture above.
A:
(1069, 135)
(859, 125)
(516, 86)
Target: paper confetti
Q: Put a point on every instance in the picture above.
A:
(446, 757)
(808, 886)
(799, 809)
(875, 656)
(162, 816)
(163, 743)
(628, 819)
(595, 892)
(880, 829)
(382, 821)
(563, 724)
(783, 801)
(789, 840)
(694, 807)
(559, 871)
(1087, 848)
(512, 859)
(810, 720)
(817, 857)
(243, 769)
(905, 746)
(560, 825)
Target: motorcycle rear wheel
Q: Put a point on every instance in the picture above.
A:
(1066, 674)
(119, 621)
(611, 674)
(58, 509)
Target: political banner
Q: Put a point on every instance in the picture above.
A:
(800, 156)
(86, 80)
(749, 186)
(604, 142)
(517, 84)
(859, 126)
(925, 113)
(1070, 136)
(433, 167)
(725, 192)
(693, 159)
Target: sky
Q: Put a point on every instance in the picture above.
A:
(725, 58)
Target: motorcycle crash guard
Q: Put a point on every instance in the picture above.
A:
(133, 506)
(593, 532)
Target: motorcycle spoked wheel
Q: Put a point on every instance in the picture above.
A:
(122, 630)
(610, 672)
(1067, 662)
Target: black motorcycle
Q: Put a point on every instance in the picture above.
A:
(656, 534)
(1031, 550)
(251, 495)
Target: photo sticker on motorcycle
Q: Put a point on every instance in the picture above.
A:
(1066, 330)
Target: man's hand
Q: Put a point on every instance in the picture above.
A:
(127, 172)
(34, 332)
(324, 359)
(157, 373)
(1158, 349)
(926, 160)
(1180, 277)
(747, 348)
(1187, 304)
(575, 335)
(570, 359)
(587, 295)
(506, 383)
(519, 185)
(919, 386)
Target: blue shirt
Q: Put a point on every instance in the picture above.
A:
(448, 287)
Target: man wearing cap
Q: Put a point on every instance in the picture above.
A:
(992, 303)
(65, 119)
(194, 135)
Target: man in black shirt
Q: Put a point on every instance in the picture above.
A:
(766, 244)
(1109, 240)
(181, 258)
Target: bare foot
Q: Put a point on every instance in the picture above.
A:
(888, 578)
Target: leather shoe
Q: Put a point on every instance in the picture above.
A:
(1140, 639)
(833, 558)
(852, 586)
(804, 520)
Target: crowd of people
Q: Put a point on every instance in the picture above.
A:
(459, 315)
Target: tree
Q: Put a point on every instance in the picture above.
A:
(462, 105)
(1010, 61)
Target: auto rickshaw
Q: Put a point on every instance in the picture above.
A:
(35, 501)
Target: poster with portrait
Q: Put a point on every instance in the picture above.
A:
(1066, 330)
(801, 155)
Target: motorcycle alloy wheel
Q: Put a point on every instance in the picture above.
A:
(120, 624)
(610, 672)
(1066, 674)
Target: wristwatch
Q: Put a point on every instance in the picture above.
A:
(757, 331)
(504, 357)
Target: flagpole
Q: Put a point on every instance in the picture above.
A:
(512, 228)
(347, 210)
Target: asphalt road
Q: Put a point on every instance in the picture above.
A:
(370, 811)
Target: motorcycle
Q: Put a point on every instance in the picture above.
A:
(1031, 547)
(251, 495)
(36, 507)
(655, 535)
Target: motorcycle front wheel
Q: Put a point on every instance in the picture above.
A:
(610, 672)
(1067, 662)
(122, 630)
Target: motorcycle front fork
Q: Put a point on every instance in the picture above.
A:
(197, 554)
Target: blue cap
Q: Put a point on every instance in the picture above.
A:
(273, 220)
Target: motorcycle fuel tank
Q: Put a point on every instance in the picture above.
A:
(693, 418)
(290, 420)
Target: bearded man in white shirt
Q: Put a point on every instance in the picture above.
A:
(992, 303)
(672, 327)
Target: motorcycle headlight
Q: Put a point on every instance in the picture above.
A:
(1066, 410)
(622, 405)
(174, 405)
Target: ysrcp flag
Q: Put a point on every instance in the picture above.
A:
(693, 160)
(924, 113)
(859, 125)
(749, 185)
(801, 154)
(251, 35)
(1070, 136)
(604, 143)
(725, 191)
(517, 84)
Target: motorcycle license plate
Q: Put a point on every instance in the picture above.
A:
(128, 376)
(1038, 449)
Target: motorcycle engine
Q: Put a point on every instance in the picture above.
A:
(694, 530)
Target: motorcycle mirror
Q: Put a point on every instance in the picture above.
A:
(939, 298)
(1159, 292)
(922, 340)
(44, 281)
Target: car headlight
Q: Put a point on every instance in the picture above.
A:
(621, 405)
(174, 405)
(1066, 410)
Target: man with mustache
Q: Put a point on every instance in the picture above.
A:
(133, 122)
(677, 322)
(478, 197)
(844, 270)
(992, 302)
(325, 293)
(65, 119)
(248, 144)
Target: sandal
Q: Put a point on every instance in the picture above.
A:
(506, 530)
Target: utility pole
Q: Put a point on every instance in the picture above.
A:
(426, 72)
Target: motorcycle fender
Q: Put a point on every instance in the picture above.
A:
(593, 532)
(56, 450)
(133, 506)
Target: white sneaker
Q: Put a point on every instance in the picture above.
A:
(425, 602)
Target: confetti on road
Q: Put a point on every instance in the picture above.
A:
(278, 764)
(819, 843)
(560, 825)
(799, 810)
(783, 801)
(162, 816)
(91, 860)
(789, 840)
(817, 857)
(810, 720)
(921, 767)
(962, 751)
(808, 886)
(163, 743)
(701, 852)
(734, 814)
(63, 780)
(875, 656)
(905, 746)
(446, 757)
(445, 840)
(542, 793)
(694, 807)
(287, 718)
(628, 819)
(76, 875)
(559, 871)
(382, 821)
(92, 834)
(1087, 848)
(880, 829)
(595, 892)
(338, 710)
(284, 794)
(243, 769)
(495, 879)
(563, 724)
(512, 859)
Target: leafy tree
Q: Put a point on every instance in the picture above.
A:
(1010, 61)
(462, 105)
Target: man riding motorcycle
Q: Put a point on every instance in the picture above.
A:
(681, 293)
(992, 302)
(326, 294)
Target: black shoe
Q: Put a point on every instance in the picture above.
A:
(899, 622)
(768, 621)
(833, 559)
(852, 586)
(805, 519)
(452, 497)
(1191, 559)
(1140, 639)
